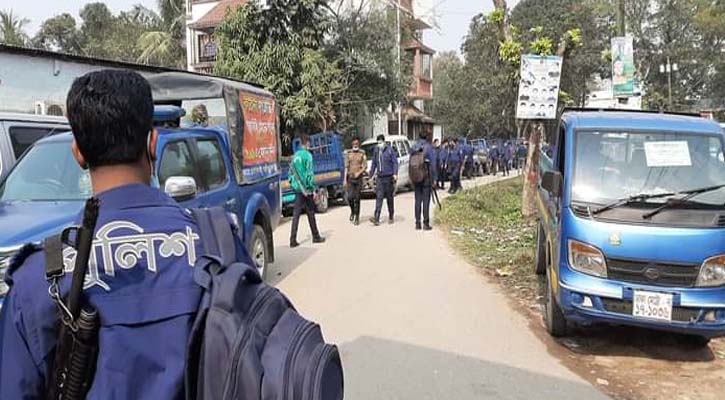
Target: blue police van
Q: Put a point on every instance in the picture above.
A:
(230, 160)
(632, 223)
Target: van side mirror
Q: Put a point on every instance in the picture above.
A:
(552, 182)
(180, 188)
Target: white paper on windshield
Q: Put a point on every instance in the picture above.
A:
(667, 154)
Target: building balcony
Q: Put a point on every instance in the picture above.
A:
(422, 89)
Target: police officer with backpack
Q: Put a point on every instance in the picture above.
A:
(147, 303)
(423, 174)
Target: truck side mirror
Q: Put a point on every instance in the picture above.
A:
(552, 182)
(180, 188)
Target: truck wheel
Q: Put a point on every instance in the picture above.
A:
(258, 250)
(540, 251)
(556, 324)
(323, 201)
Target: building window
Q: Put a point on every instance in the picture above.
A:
(207, 49)
(426, 68)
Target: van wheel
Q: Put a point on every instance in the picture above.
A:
(556, 324)
(540, 250)
(258, 250)
(323, 201)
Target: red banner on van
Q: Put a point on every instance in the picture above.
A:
(260, 136)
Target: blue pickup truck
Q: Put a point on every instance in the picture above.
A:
(200, 166)
(329, 163)
(632, 223)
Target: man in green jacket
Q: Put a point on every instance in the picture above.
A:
(302, 180)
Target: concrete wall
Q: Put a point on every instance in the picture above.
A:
(25, 80)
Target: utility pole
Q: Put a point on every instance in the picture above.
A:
(400, 68)
(621, 12)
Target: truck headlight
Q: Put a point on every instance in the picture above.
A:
(587, 259)
(712, 272)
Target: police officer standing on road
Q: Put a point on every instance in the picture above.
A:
(455, 160)
(356, 162)
(146, 303)
(385, 165)
(468, 159)
(302, 181)
(442, 164)
(423, 189)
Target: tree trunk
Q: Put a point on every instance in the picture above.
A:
(531, 173)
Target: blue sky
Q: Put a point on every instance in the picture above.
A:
(453, 16)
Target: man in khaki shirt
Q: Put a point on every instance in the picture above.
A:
(356, 163)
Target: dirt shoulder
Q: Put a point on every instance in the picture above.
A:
(484, 224)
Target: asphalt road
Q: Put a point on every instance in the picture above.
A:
(413, 320)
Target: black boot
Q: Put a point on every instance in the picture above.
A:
(356, 220)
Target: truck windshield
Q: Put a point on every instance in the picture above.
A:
(615, 165)
(47, 172)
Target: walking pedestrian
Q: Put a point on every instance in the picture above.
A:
(302, 181)
(468, 159)
(424, 185)
(506, 156)
(455, 162)
(385, 167)
(356, 162)
(521, 153)
(494, 155)
(146, 303)
(442, 166)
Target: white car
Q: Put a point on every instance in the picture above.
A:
(401, 145)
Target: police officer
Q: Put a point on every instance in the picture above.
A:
(455, 161)
(356, 162)
(468, 159)
(385, 165)
(442, 163)
(146, 303)
(423, 189)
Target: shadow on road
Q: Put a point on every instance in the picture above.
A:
(382, 369)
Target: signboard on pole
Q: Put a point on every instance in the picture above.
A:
(539, 87)
(623, 82)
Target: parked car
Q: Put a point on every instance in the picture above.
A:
(20, 131)
(196, 165)
(632, 223)
(329, 164)
(402, 146)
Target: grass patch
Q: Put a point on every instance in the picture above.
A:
(485, 225)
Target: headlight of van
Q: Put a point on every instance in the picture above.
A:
(587, 259)
(712, 272)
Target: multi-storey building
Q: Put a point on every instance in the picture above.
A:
(202, 18)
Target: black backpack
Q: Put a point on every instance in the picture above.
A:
(248, 341)
(417, 169)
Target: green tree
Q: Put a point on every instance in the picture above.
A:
(280, 48)
(164, 43)
(12, 29)
(362, 41)
(59, 33)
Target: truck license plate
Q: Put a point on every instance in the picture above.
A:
(652, 305)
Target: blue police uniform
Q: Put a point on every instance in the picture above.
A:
(442, 165)
(468, 156)
(423, 190)
(140, 279)
(455, 160)
(385, 164)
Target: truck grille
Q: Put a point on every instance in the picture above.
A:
(658, 274)
(679, 314)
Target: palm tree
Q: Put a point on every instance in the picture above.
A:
(164, 45)
(12, 29)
